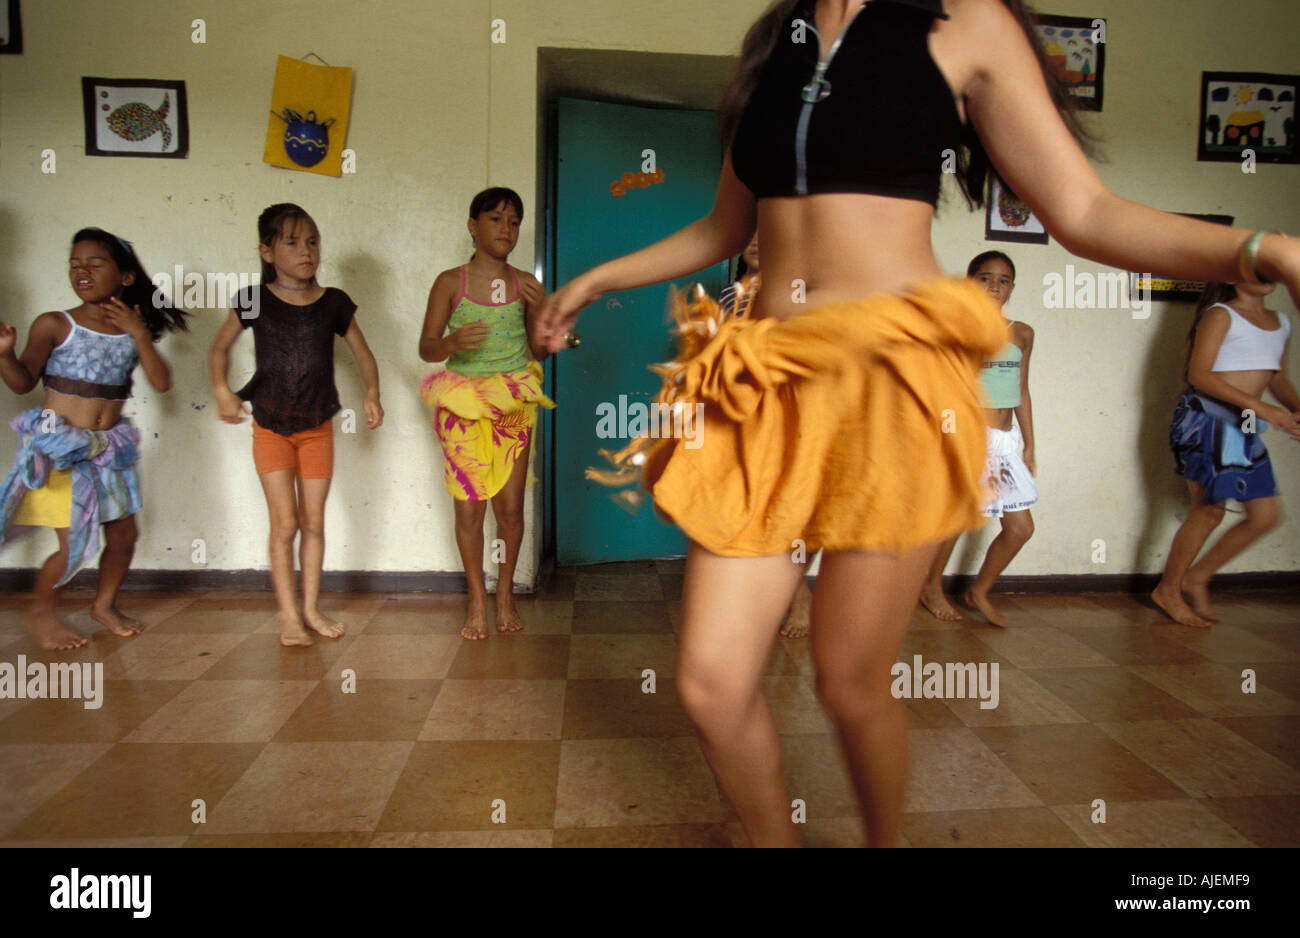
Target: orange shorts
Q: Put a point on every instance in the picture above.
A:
(309, 453)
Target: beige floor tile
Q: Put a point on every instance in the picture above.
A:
(1275, 735)
(220, 614)
(1111, 694)
(1178, 823)
(99, 843)
(634, 782)
(1027, 648)
(815, 773)
(657, 836)
(989, 827)
(496, 710)
(124, 706)
(311, 787)
(169, 656)
(290, 841)
(34, 773)
(621, 656)
(611, 708)
(952, 769)
(462, 785)
(1132, 644)
(1021, 701)
(1074, 763)
(397, 657)
(515, 657)
(1265, 820)
(1216, 690)
(139, 791)
(795, 707)
(261, 657)
(1224, 642)
(223, 712)
(1204, 759)
(378, 710)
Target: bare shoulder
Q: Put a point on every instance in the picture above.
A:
(526, 277)
(447, 278)
(1023, 334)
(52, 325)
(990, 15)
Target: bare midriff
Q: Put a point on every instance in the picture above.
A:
(1252, 382)
(840, 247)
(999, 418)
(84, 412)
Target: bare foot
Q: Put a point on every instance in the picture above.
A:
(1171, 602)
(115, 622)
(292, 633)
(475, 623)
(323, 625)
(1198, 596)
(507, 615)
(797, 623)
(938, 606)
(50, 631)
(980, 603)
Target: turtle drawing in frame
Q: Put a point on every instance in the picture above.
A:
(306, 141)
(137, 121)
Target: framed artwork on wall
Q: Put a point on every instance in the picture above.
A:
(135, 117)
(1155, 287)
(11, 28)
(1243, 111)
(1076, 50)
(1007, 218)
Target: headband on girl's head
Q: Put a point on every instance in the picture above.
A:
(125, 247)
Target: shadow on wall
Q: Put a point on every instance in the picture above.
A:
(1163, 383)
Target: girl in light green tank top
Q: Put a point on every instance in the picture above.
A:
(485, 401)
(1009, 472)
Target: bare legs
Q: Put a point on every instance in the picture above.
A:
(291, 512)
(1017, 529)
(731, 608)
(1183, 592)
(508, 508)
(43, 620)
(932, 597)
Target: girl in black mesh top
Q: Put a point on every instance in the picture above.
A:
(294, 322)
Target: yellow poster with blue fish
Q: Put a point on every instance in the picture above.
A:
(308, 124)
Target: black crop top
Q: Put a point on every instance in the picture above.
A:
(293, 388)
(877, 120)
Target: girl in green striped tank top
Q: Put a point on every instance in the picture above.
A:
(485, 400)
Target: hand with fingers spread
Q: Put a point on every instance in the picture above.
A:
(127, 318)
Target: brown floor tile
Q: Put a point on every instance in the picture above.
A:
(497, 710)
(1215, 689)
(634, 782)
(378, 710)
(619, 568)
(444, 839)
(1110, 694)
(292, 841)
(1204, 759)
(561, 586)
(1275, 735)
(1264, 820)
(223, 712)
(618, 587)
(452, 786)
(261, 657)
(657, 836)
(621, 656)
(930, 714)
(1224, 642)
(398, 657)
(1039, 647)
(423, 616)
(953, 769)
(124, 705)
(220, 614)
(1130, 644)
(795, 707)
(610, 618)
(815, 773)
(546, 616)
(143, 790)
(100, 843)
(33, 773)
(619, 709)
(1021, 701)
(517, 657)
(990, 827)
(958, 645)
(1179, 823)
(671, 585)
(311, 787)
(1074, 763)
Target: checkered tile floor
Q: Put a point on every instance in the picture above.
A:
(545, 738)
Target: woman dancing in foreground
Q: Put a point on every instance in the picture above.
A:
(826, 409)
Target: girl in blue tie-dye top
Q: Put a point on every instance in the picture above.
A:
(76, 452)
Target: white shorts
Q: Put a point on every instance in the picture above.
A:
(1006, 475)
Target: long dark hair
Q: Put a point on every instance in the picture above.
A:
(1212, 294)
(979, 260)
(973, 164)
(272, 224)
(157, 310)
(489, 199)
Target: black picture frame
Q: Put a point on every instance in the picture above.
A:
(1277, 113)
(12, 42)
(1155, 287)
(1031, 231)
(109, 96)
(1087, 94)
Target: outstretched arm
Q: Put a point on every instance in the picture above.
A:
(1011, 109)
(720, 234)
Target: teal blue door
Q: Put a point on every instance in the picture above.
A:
(622, 333)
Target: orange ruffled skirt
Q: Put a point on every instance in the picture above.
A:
(484, 425)
(853, 426)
